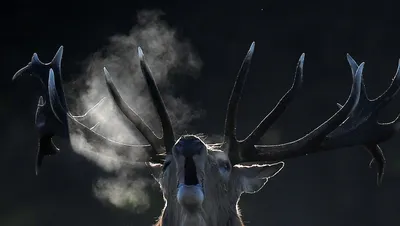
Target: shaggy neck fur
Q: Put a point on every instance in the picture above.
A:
(219, 207)
(211, 215)
(217, 210)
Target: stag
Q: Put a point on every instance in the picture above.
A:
(202, 183)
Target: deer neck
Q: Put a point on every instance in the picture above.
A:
(174, 215)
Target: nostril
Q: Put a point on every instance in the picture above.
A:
(190, 172)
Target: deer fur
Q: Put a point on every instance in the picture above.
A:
(222, 189)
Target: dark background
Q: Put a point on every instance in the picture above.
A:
(334, 188)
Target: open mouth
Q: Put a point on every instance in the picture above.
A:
(190, 172)
(190, 192)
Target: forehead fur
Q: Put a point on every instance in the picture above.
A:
(189, 137)
(189, 140)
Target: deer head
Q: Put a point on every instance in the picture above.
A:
(202, 183)
(195, 176)
(202, 187)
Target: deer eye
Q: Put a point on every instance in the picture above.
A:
(225, 165)
(166, 164)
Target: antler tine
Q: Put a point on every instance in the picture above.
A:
(39, 69)
(379, 158)
(354, 67)
(363, 127)
(392, 90)
(311, 142)
(382, 100)
(230, 140)
(55, 104)
(279, 108)
(168, 132)
(143, 128)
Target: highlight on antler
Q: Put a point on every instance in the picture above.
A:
(161, 145)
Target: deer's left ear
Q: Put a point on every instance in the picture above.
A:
(254, 177)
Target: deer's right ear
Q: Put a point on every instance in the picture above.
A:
(254, 177)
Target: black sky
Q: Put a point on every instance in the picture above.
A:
(334, 188)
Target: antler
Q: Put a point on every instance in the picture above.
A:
(88, 133)
(40, 71)
(159, 144)
(354, 124)
(236, 148)
(52, 112)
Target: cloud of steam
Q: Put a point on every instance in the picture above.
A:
(167, 56)
(123, 191)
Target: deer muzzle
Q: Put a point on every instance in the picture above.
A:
(190, 192)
